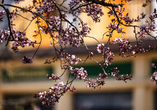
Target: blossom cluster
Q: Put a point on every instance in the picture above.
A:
(45, 7)
(114, 26)
(27, 60)
(101, 48)
(92, 10)
(115, 73)
(53, 77)
(119, 11)
(124, 46)
(153, 78)
(149, 26)
(73, 59)
(2, 37)
(106, 54)
(98, 82)
(124, 77)
(73, 3)
(72, 36)
(80, 73)
(54, 93)
(20, 39)
(119, 17)
(95, 11)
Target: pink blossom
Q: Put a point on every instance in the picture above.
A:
(80, 73)
(155, 75)
(100, 48)
(17, 1)
(27, 60)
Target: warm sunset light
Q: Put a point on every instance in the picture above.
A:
(31, 28)
(99, 30)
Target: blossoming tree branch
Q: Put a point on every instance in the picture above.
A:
(55, 15)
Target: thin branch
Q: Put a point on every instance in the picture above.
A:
(9, 25)
(93, 38)
(23, 17)
(28, 25)
(40, 40)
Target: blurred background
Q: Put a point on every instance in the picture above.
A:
(18, 82)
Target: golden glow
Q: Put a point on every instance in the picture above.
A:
(21, 24)
(98, 29)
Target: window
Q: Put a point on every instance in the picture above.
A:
(94, 70)
(103, 101)
(29, 73)
(153, 69)
(23, 102)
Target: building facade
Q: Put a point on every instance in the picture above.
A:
(19, 82)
